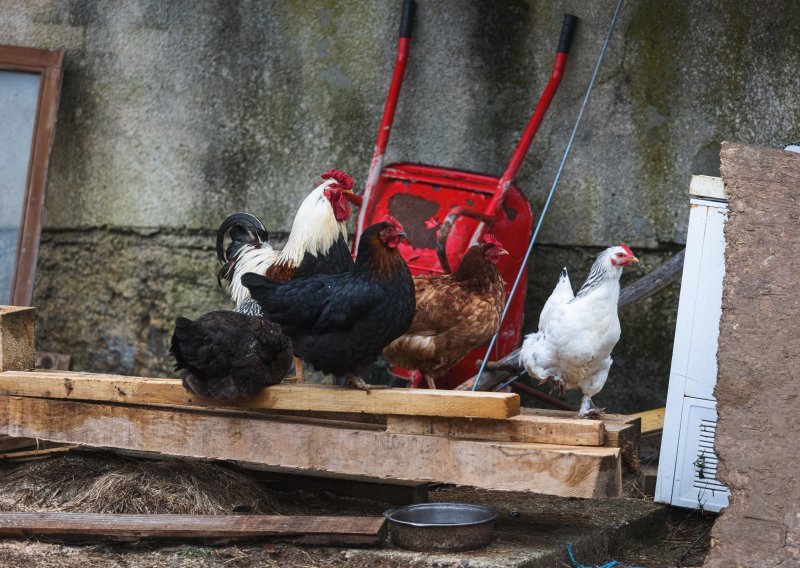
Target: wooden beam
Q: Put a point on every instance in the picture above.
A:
(652, 420)
(318, 398)
(653, 282)
(571, 471)
(622, 431)
(17, 338)
(534, 429)
(92, 526)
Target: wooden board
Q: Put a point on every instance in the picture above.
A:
(759, 346)
(27, 455)
(92, 526)
(572, 471)
(319, 398)
(536, 429)
(652, 420)
(621, 431)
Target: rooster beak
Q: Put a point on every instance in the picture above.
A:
(352, 197)
(402, 235)
(632, 259)
(503, 251)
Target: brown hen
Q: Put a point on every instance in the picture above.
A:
(455, 314)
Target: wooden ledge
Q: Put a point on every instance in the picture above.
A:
(319, 398)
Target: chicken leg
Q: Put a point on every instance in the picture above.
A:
(299, 374)
(590, 388)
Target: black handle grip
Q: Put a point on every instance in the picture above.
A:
(567, 31)
(407, 22)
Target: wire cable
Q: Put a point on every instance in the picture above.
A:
(550, 195)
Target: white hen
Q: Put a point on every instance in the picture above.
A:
(577, 332)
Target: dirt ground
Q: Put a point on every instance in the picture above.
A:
(643, 535)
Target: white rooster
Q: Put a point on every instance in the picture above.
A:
(572, 348)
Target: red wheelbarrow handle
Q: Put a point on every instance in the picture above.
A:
(444, 231)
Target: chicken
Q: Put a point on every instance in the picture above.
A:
(341, 323)
(455, 314)
(317, 244)
(572, 348)
(225, 355)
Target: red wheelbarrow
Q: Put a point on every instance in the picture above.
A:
(445, 211)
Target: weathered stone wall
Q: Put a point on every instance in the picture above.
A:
(174, 114)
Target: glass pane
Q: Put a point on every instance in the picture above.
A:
(19, 93)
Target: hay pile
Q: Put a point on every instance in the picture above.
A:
(108, 484)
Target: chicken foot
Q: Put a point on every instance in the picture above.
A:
(357, 382)
(589, 410)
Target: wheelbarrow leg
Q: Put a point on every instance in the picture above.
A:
(298, 371)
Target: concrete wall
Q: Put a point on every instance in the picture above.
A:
(174, 114)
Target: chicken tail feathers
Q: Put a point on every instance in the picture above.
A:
(261, 288)
(186, 345)
(244, 229)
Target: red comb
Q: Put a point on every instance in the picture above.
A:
(627, 249)
(393, 222)
(491, 239)
(343, 180)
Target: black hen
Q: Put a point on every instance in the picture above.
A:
(341, 323)
(226, 355)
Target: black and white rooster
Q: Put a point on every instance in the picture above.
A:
(572, 348)
(223, 355)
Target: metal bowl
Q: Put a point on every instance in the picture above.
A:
(441, 526)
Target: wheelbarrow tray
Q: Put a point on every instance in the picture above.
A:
(420, 197)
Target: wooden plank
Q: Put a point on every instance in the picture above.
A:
(572, 471)
(35, 454)
(536, 429)
(627, 438)
(302, 529)
(621, 431)
(17, 338)
(319, 398)
(607, 417)
(652, 420)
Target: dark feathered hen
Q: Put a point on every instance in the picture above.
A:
(340, 324)
(226, 355)
(456, 313)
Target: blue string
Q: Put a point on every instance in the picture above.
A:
(609, 564)
(549, 196)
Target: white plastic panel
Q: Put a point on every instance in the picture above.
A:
(687, 464)
(695, 484)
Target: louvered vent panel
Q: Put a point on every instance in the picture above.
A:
(705, 465)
